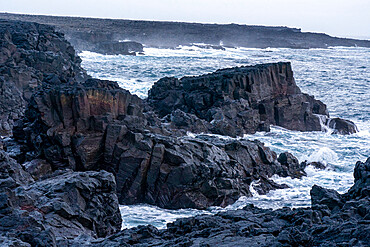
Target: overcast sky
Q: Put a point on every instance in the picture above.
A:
(345, 18)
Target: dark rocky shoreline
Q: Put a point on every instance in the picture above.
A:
(78, 146)
(333, 220)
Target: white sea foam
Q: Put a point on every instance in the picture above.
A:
(143, 214)
(324, 155)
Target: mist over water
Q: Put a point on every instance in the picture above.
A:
(340, 77)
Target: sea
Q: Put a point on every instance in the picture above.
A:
(338, 76)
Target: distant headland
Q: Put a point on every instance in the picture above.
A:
(97, 34)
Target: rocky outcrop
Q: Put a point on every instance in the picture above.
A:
(194, 172)
(66, 123)
(240, 100)
(31, 53)
(57, 208)
(96, 125)
(40, 206)
(333, 220)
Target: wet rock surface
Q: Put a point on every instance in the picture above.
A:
(342, 126)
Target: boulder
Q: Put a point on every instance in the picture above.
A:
(361, 188)
(328, 197)
(315, 164)
(342, 126)
(291, 166)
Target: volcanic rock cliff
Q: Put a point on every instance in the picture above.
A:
(241, 100)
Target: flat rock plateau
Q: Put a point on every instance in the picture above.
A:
(73, 148)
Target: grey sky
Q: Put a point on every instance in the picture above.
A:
(345, 18)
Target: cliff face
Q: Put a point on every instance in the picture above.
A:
(31, 53)
(96, 125)
(241, 100)
(173, 34)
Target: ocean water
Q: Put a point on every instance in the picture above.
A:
(338, 76)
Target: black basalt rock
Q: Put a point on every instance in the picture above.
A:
(96, 125)
(322, 196)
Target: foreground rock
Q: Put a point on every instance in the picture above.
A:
(57, 208)
(333, 220)
(31, 53)
(241, 100)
